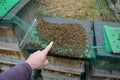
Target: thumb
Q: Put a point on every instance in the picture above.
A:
(46, 63)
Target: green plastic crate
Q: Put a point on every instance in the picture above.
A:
(6, 5)
(111, 39)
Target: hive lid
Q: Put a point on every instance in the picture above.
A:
(111, 39)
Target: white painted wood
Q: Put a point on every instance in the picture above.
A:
(11, 59)
(65, 69)
(54, 75)
(9, 46)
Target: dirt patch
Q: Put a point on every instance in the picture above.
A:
(69, 39)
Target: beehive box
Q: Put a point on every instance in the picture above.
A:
(61, 63)
(106, 64)
(63, 69)
(99, 41)
(65, 65)
(9, 46)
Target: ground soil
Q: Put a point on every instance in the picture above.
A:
(69, 39)
(75, 9)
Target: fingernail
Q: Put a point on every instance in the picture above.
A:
(51, 42)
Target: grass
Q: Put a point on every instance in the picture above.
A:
(107, 13)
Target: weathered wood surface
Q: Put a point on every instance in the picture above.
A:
(11, 57)
(107, 74)
(7, 34)
(9, 46)
(65, 65)
(8, 40)
(54, 75)
(10, 52)
(103, 78)
(4, 66)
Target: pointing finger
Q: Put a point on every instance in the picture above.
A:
(47, 49)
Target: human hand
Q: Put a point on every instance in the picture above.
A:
(38, 59)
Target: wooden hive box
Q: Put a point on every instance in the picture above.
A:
(9, 46)
(62, 69)
(106, 64)
(62, 64)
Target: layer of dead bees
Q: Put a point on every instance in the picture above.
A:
(69, 39)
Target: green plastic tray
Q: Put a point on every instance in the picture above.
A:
(112, 39)
(6, 5)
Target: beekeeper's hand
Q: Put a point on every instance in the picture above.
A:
(38, 59)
